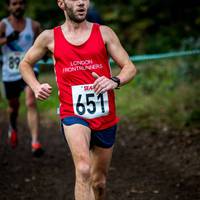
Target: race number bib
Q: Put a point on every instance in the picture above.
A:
(87, 104)
(14, 59)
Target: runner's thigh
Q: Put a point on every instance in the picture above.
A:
(78, 139)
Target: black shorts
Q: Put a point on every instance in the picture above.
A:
(13, 89)
(101, 138)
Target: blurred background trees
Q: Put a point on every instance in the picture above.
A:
(143, 26)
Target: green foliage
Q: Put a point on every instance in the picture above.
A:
(162, 96)
(46, 12)
(3, 11)
(152, 26)
(165, 93)
(143, 26)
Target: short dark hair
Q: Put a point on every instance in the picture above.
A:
(8, 2)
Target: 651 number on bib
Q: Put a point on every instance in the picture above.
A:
(87, 104)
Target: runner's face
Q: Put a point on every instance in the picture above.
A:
(17, 8)
(76, 9)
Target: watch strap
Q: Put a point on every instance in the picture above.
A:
(116, 80)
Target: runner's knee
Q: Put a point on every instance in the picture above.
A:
(99, 183)
(13, 105)
(83, 170)
(31, 103)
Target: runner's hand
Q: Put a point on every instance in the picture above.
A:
(43, 91)
(102, 84)
(13, 36)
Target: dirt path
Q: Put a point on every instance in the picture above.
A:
(146, 165)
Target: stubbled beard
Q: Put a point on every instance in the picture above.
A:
(73, 17)
(18, 14)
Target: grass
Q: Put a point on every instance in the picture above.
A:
(165, 93)
(162, 95)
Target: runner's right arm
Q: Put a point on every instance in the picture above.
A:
(3, 39)
(6, 39)
(41, 46)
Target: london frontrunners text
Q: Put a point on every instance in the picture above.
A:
(81, 68)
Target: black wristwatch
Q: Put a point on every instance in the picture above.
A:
(116, 80)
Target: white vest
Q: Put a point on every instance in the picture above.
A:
(14, 51)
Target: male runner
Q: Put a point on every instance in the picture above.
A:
(81, 53)
(17, 34)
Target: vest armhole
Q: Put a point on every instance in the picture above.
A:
(56, 31)
(7, 25)
(98, 31)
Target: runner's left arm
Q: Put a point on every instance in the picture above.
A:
(120, 56)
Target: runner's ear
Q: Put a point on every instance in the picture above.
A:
(95, 75)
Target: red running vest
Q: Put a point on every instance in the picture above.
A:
(73, 67)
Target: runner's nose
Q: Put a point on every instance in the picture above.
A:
(81, 2)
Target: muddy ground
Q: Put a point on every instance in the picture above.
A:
(146, 165)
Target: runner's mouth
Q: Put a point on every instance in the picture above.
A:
(81, 11)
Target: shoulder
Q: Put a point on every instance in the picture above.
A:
(2, 28)
(2, 25)
(105, 29)
(107, 33)
(47, 35)
(45, 38)
(36, 26)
